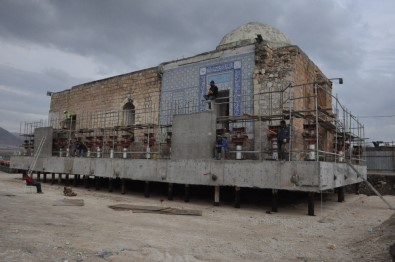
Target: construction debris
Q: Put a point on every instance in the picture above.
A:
(156, 209)
(67, 191)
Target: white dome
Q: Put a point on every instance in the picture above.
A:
(248, 32)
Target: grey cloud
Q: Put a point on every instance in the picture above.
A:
(329, 34)
(51, 79)
(124, 36)
(32, 104)
(103, 29)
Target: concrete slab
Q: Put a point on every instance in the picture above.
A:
(294, 175)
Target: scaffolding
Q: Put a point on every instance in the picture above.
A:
(26, 131)
(321, 128)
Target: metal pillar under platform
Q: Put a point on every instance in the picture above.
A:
(310, 207)
(216, 195)
(187, 195)
(237, 197)
(274, 200)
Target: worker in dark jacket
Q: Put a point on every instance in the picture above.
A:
(212, 93)
(31, 182)
(282, 140)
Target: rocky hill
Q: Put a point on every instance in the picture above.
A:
(8, 139)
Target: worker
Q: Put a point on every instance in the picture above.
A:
(212, 93)
(221, 145)
(31, 182)
(68, 117)
(282, 140)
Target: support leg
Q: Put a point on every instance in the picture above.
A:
(53, 179)
(38, 176)
(97, 183)
(310, 207)
(67, 179)
(110, 185)
(274, 200)
(59, 178)
(123, 186)
(45, 177)
(186, 196)
(216, 196)
(146, 189)
(170, 191)
(86, 182)
(340, 194)
(237, 197)
(75, 180)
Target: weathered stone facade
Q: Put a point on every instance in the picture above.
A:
(284, 83)
(99, 116)
(110, 94)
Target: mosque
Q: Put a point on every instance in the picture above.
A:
(155, 125)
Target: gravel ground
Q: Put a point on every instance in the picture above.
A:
(32, 229)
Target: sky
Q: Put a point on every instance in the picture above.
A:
(52, 45)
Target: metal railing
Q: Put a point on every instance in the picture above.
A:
(146, 132)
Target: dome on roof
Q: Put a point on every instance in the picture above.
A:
(247, 33)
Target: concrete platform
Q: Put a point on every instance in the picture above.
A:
(306, 176)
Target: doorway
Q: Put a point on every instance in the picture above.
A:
(222, 102)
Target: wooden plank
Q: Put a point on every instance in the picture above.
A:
(68, 202)
(156, 210)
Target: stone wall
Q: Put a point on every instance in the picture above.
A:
(110, 94)
(98, 108)
(276, 69)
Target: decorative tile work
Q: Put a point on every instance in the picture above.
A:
(237, 92)
(219, 68)
(232, 68)
(186, 85)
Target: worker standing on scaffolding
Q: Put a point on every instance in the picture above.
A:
(282, 140)
(67, 122)
(221, 145)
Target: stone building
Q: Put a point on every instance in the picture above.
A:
(127, 121)
(254, 67)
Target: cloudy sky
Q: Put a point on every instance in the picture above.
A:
(52, 45)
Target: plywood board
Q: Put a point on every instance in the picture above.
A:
(156, 210)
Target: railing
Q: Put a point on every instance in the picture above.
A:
(148, 134)
(380, 157)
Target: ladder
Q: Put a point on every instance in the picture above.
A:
(370, 185)
(35, 157)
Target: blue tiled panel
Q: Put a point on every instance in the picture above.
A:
(186, 85)
(237, 92)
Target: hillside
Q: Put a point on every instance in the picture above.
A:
(8, 139)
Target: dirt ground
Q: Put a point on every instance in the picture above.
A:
(32, 229)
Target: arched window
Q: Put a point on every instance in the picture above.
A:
(128, 113)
